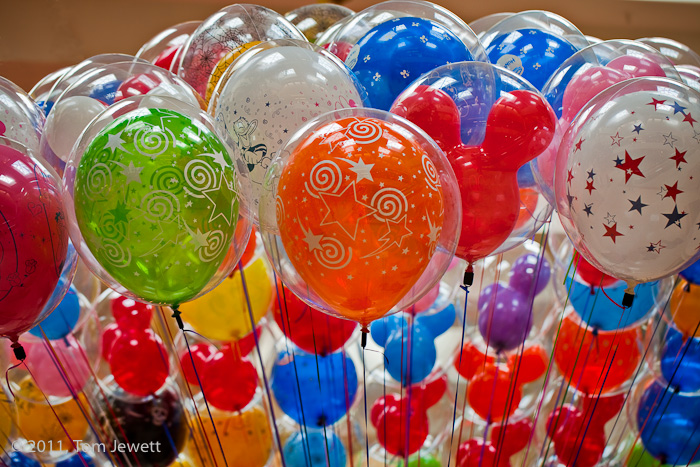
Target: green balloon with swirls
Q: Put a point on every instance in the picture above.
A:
(156, 202)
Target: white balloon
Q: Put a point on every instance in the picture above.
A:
(67, 120)
(21, 120)
(275, 93)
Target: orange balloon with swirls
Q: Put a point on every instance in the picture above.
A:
(360, 210)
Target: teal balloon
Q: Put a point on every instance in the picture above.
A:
(314, 449)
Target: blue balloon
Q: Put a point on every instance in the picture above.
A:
(314, 395)
(669, 424)
(63, 319)
(600, 313)
(423, 354)
(692, 273)
(46, 106)
(382, 328)
(680, 361)
(106, 92)
(438, 322)
(393, 54)
(534, 54)
(75, 461)
(314, 450)
(525, 177)
(17, 459)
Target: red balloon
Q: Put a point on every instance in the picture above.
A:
(33, 240)
(574, 449)
(492, 395)
(472, 360)
(130, 314)
(476, 453)
(427, 395)
(392, 416)
(513, 437)
(165, 58)
(201, 354)
(532, 364)
(585, 357)
(110, 334)
(590, 274)
(244, 345)
(561, 419)
(229, 382)
(139, 362)
(602, 409)
(137, 85)
(311, 330)
(519, 127)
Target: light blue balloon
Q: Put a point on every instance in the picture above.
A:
(423, 354)
(314, 450)
(382, 328)
(63, 319)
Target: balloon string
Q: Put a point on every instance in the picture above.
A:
(262, 364)
(488, 416)
(347, 404)
(409, 387)
(454, 408)
(168, 332)
(7, 377)
(364, 387)
(606, 294)
(318, 378)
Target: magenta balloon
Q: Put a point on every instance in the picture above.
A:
(637, 66)
(584, 86)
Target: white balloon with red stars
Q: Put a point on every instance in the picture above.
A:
(630, 187)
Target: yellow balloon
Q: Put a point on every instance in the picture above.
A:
(245, 437)
(222, 314)
(37, 422)
(223, 65)
(685, 308)
(8, 419)
(183, 461)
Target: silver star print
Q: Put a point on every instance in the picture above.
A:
(362, 170)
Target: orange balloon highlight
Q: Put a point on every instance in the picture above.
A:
(685, 308)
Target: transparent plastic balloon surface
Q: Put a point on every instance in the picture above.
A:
(624, 176)
(158, 212)
(21, 120)
(678, 53)
(581, 77)
(483, 24)
(42, 88)
(163, 48)
(273, 90)
(359, 214)
(314, 20)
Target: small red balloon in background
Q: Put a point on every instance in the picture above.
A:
(477, 453)
(229, 381)
(491, 393)
(590, 274)
(139, 362)
(244, 345)
(511, 438)
(130, 314)
(566, 426)
(585, 357)
(602, 409)
(426, 395)
(201, 354)
(530, 366)
(311, 330)
(137, 85)
(391, 415)
(110, 334)
(471, 360)
(165, 58)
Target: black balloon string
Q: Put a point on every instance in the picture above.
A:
(461, 346)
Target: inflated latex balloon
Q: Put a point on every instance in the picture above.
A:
(63, 318)
(267, 97)
(680, 361)
(156, 206)
(21, 120)
(683, 307)
(624, 176)
(64, 380)
(139, 362)
(224, 31)
(313, 20)
(492, 395)
(33, 239)
(386, 206)
(692, 273)
(506, 125)
(401, 428)
(477, 453)
(229, 381)
(314, 448)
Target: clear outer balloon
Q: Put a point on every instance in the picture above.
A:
(313, 20)
(33, 239)
(533, 44)
(185, 223)
(275, 92)
(580, 78)
(340, 40)
(161, 49)
(678, 53)
(224, 31)
(21, 120)
(377, 225)
(690, 75)
(96, 89)
(627, 178)
(483, 24)
(44, 85)
(472, 110)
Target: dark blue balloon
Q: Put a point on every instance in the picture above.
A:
(669, 424)
(393, 54)
(46, 106)
(75, 461)
(439, 321)
(63, 319)
(680, 361)
(692, 273)
(534, 54)
(106, 92)
(525, 177)
(423, 354)
(314, 449)
(327, 390)
(17, 459)
(599, 312)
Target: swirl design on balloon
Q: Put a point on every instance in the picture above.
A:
(216, 240)
(169, 179)
(332, 254)
(99, 180)
(200, 176)
(390, 203)
(432, 179)
(112, 230)
(160, 205)
(325, 176)
(279, 210)
(364, 132)
(115, 254)
(152, 141)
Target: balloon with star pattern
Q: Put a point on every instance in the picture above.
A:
(628, 177)
(155, 202)
(362, 204)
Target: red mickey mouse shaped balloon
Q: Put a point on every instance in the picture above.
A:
(519, 126)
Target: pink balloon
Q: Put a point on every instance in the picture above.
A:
(49, 376)
(637, 66)
(584, 86)
(427, 301)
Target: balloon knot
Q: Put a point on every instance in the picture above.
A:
(178, 317)
(627, 300)
(686, 287)
(363, 341)
(468, 276)
(19, 351)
